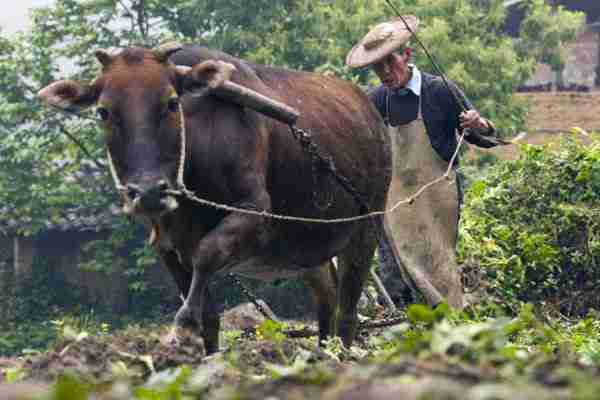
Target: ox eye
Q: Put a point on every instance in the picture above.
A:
(173, 104)
(103, 113)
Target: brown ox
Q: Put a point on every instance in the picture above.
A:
(240, 157)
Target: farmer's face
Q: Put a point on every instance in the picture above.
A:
(393, 70)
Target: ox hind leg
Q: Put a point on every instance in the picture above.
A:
(354, 263)
(323, 282)
(210, 316)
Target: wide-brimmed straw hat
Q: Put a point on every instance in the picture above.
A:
(381, 41)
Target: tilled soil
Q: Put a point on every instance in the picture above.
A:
(245, 370)
(96, 357)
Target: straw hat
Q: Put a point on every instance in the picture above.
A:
(381, 41)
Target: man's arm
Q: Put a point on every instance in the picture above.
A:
(481, 131)
(470, 119)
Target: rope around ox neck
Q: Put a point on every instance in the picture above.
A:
(182, 150)
(409, 200)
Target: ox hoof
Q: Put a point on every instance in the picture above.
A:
(171, 339)
(186, 318)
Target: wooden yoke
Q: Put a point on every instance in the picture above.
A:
(244, 96)
(216, 76)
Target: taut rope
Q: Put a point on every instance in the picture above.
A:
(182, 191)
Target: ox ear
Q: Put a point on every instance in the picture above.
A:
(68, 95)
(210, 73)
(104, 57)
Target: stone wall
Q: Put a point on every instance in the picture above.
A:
(582, 60)
(62, 251)
(581, 67)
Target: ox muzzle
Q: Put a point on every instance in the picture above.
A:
(150, 200)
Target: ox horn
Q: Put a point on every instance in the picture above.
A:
(217, 74)
(164, 51)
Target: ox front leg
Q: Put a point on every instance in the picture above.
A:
(202, 318)
(236, 235)
(210, 317)
(191, 314)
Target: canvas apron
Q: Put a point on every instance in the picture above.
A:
(424, 233)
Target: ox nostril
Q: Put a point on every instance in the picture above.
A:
(146, 199)
(133, 191)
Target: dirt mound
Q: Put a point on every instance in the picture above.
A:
(135, 352)
(245, 316)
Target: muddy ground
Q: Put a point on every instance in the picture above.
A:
(266, 364)
(250, 368)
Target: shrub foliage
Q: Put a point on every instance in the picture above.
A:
(533, 227)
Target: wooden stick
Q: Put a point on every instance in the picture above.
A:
(250, 98)
(382, 290)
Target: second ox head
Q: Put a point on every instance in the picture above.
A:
(137, 96)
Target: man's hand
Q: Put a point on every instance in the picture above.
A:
(472, 120)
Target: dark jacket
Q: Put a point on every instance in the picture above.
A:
(440, 113)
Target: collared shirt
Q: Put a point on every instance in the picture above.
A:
(438, 106)
(414, 84)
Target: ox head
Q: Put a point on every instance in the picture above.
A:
(137, 96)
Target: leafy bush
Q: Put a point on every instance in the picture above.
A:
(533, 227)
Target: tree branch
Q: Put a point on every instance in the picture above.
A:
(81, 146)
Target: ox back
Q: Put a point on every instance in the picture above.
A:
(344, 125)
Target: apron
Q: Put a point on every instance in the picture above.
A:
(423, 233)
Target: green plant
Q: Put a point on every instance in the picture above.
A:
(71, 327)
(532, 226)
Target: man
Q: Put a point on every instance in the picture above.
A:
(423, 116)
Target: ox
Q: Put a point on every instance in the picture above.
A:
(152, 102)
